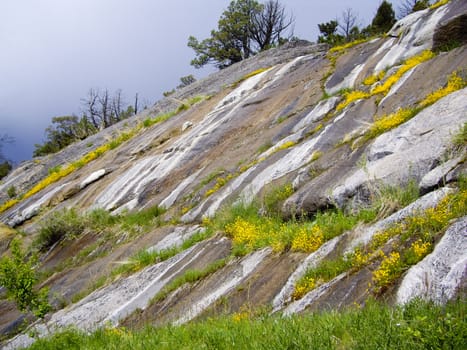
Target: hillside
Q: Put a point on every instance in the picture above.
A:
(302, 179)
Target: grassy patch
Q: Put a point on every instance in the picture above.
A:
(460, 139)
(190, 276)
(145, 258)
(68, 224)
(418, 325)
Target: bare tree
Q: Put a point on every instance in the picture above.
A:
(136, 104)
(349, 24)
(104, 110)
(117, 107)
(269, 24)
(90, 108)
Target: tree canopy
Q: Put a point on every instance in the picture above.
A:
(243, 29)
(384, 18)
(5, 164)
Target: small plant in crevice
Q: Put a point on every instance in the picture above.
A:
(11, 192)
(460, 138)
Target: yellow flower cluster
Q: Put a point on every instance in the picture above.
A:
(240, 316)
(359, 259)
(244, 232)
(381, 238)
(249, 165)
(351, 97)
(220, 182)
(384, 88)
(455, 83)
(388, 122)
(118, 331)
(420, 249)
(372, 79)
(285, 145)
(316, 155)
(304, 286)
(251, 74)
(408, 64)
(347, 46)
(388, 271)
(8, 204)
(308, 240)
(438, 4)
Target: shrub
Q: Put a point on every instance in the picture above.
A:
(64, 224)
(17, 276)
(273, 199)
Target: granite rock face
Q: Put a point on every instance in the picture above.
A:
(274, 119)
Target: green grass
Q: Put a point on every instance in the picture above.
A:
(68, 224)
(144, 258)
(418, 325)
(190, 276)
(460, 138)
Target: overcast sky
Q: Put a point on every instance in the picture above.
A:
(53, 51)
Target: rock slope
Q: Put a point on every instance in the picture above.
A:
(336, 126)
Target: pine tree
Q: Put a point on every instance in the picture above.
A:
(384, 18)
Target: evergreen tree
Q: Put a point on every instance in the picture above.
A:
(384, 18)
(329, 33)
